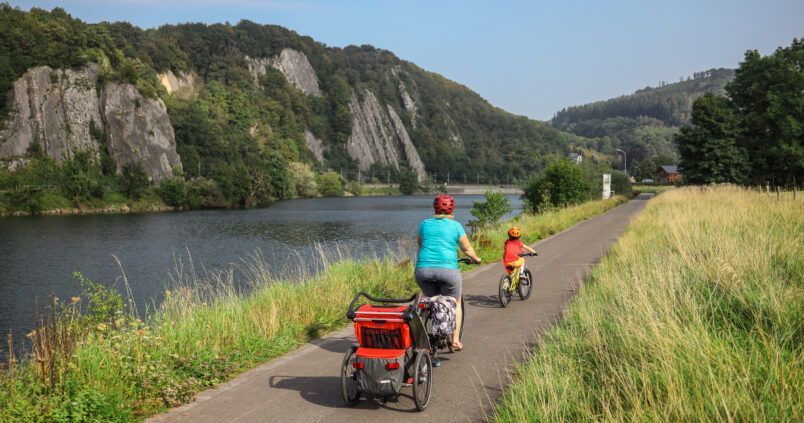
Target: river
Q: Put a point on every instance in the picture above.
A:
(39, 254)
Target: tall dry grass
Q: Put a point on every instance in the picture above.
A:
(696, 314)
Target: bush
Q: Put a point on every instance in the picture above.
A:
(133, 180)
(302, 180)
(490, 211)
(355, 188)
(173, 191)
(561, 184)
(330, 185)
(408, 183)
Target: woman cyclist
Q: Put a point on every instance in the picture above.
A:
(437, 263)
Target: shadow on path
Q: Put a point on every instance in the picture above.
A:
(326, 391)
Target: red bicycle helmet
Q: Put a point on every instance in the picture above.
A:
(514, 232)
(444, 204)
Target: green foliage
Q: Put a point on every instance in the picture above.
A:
(28, 198)
(490, 211)
(408, 183)
(133, 180)
(561, 184)
(355, 188)
(709, 150)
(767, 98)
(173, 191)
(330, 184)
(104, 304)
(81, 178)
(303, 180)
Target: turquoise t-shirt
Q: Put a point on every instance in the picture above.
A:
(439, 243)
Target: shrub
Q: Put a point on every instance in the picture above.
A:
(133, 180)
(562, 183)
(330, 185)
(355, 188)
(173, 191)
(490, 211)
(408, 183)
(302, 180)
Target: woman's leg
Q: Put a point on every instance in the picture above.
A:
(456, 336)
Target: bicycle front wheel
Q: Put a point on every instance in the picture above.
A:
(505, 290)
(525, 285)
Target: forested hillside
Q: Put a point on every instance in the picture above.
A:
(246, 101)
(642, 124)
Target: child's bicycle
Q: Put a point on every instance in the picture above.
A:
(519, 279)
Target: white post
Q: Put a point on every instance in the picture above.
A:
(606, 186)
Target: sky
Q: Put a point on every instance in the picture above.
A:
(530, 58)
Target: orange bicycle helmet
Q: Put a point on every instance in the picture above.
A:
(444, 204)
(514, 232)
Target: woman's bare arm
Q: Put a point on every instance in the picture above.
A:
(467, 248)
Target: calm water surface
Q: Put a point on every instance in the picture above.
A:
(39, 254)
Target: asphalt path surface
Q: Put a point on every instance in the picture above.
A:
(304, 385)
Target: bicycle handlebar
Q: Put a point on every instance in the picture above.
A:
(350, 313)
(466, 261)
(528, 254)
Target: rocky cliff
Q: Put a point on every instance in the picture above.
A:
(138, 130)
(182, 83)
(53, 108)
(56, 108)
(293, 64)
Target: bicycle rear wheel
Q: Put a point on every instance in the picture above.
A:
(505, 290)
(525, 285)
(351, 395)
(422, 379)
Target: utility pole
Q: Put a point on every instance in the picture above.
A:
(447, 177)
(625, 160)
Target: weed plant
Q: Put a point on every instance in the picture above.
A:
(696, 314)
(109, 364)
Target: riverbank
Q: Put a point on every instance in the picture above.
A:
(694, 315)
(119, 367)
(54, 205)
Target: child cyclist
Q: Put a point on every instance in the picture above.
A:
(513, 247)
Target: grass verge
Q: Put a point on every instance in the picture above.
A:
(696, 314)
(107, 365)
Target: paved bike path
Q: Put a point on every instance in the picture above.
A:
(304, 385)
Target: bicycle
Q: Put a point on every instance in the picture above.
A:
(520, 279)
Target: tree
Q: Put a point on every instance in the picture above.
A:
(330, 185)
(709, 150)
(561, 184)
(408, 184)
(490, 211)
(133, 180)
(767, 96)
(303, 179)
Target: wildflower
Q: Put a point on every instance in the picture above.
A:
(101, 326)
(76, 299)
(141, 332)
(167, 293)
(32, 334)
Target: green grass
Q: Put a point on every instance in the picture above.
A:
(653, 189)
(696, 314)
(206, 332)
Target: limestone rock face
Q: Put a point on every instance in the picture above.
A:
(56, 109)
(138, 130)
(298, 70)
(371, 139)
(315, 145)
(408, 103)
(177, 83)
(293, 64)
(411, 154)
(53, 108)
